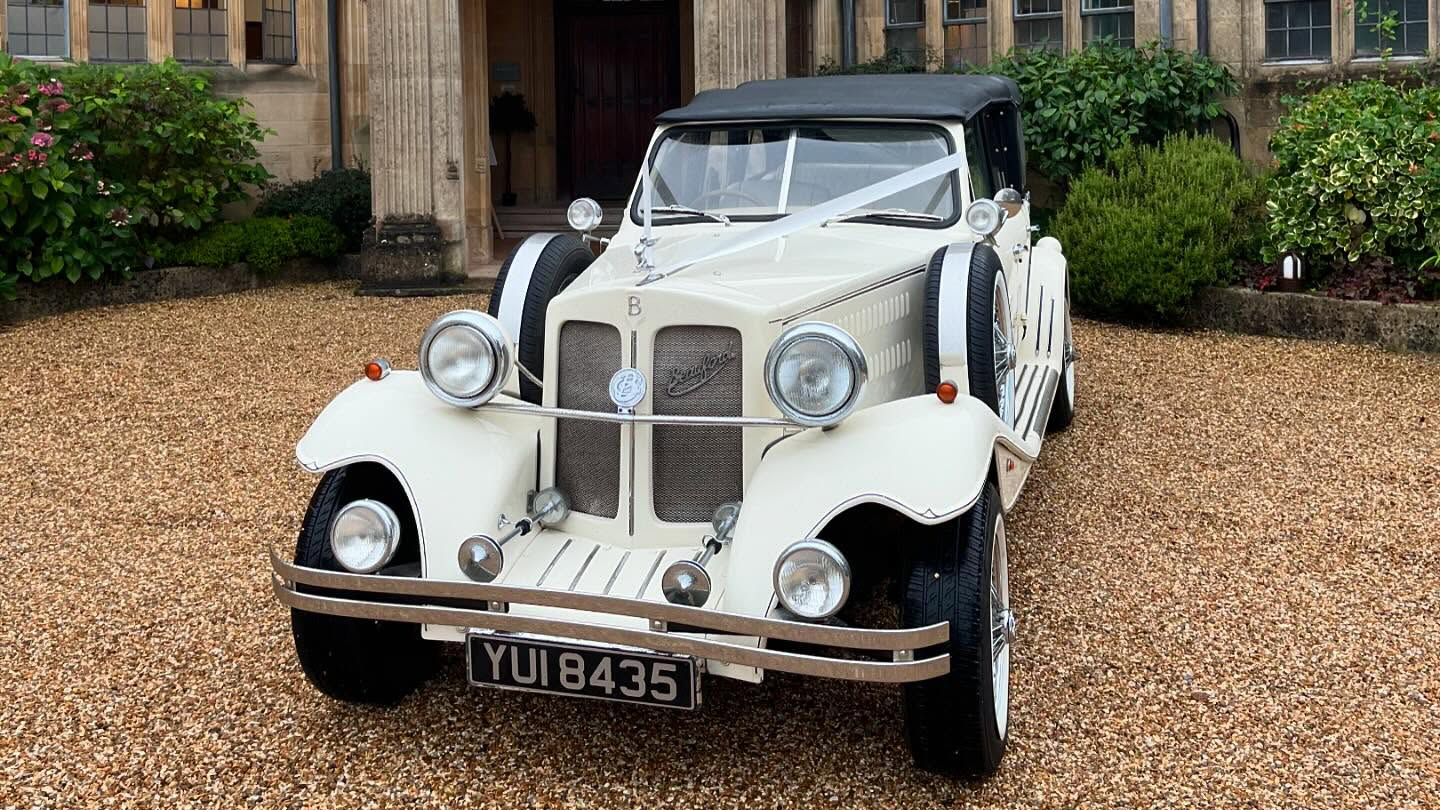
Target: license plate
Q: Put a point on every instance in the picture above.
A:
(532, 665)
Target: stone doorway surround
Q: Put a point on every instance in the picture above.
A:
(428, 91)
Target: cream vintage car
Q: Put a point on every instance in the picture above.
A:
(774, 427)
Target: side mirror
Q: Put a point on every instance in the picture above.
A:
(1010, 200)
(584, 215)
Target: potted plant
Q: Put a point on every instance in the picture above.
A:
(509, 115)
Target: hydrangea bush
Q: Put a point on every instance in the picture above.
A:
(58, 217)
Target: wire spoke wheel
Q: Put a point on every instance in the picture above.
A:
(1002, 628)
(1003, 343)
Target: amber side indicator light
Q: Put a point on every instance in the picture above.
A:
(377, 369)
(947, 392)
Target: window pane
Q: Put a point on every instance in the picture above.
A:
(966, 44)
(904, 12)
(907, 42)
(1297, 29)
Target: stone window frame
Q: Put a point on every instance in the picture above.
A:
(63, 35)
(956, 16)
(126, 34)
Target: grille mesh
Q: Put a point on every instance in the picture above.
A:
(587, 454)
(696, 467)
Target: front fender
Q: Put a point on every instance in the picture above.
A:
(459, 467)
(923, 458)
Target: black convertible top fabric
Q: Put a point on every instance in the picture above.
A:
(908, 96)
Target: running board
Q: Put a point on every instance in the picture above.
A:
(1035, 392)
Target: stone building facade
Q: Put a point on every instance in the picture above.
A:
(413, 78)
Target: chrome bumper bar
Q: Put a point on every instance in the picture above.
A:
(473, 605)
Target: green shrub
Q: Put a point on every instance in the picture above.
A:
(1080, 106)
(341, 197)
(58, 217)
(1154, 225)
(180, 151)
(264, 243)
(1357, 174)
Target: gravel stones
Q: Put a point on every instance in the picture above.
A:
(1227, 575)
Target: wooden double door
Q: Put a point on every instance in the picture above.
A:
(619, 67)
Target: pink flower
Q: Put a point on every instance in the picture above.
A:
(43, 139)
(63, 106)
(51, 88)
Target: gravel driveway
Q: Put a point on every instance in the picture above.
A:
(1227, 575)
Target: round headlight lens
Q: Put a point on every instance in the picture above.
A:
(985, 217)
(584, 215)
(812, 579)
(465, 358)
(461, 361)
(364, 536)
(815, 373)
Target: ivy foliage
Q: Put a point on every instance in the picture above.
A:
(1155, 224)
(1079, 106)
(1357, 174)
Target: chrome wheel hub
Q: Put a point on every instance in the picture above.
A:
(1005, 353)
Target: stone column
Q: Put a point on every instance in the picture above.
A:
(738, 40)
(417, 144)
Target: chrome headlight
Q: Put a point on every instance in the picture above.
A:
(815, 373)
(812, 579)
(365, 536)
(985, 217)
(465, 358)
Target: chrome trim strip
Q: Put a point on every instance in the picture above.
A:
(884, 282)
(517, 282)
(583, 566)
(801, 664)
(637, 418)
(616, 574)
(707, 620)
(655, 566)
(553, 560)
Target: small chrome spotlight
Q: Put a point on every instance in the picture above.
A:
(686, 583)
(481, 558)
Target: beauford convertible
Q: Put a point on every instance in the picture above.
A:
(774, 427)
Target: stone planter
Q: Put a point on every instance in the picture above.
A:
(35, 301)
(1398, 327)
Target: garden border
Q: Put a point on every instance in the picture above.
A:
(1397, 327)
(57, 296)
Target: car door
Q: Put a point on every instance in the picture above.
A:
(986, 153)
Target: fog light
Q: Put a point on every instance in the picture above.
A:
(481, 558)
(364, 536)
(812, 579)
(686, 583)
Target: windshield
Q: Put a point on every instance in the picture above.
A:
(763, 172)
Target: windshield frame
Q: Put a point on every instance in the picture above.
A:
(661, 136)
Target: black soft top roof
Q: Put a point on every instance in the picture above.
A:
(911, 96)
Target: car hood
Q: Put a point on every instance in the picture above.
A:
(783, 275)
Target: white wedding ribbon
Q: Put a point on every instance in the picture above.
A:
(811, 217)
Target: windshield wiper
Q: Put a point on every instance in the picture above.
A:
(685, 209)
(889, 213)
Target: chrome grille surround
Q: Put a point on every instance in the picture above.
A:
(587, 453)
(697, 371)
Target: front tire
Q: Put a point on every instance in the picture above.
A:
(958, 723)
(545, 274)
(356, 660)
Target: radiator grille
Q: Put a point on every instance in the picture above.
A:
(697, 372)
(587, 454)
